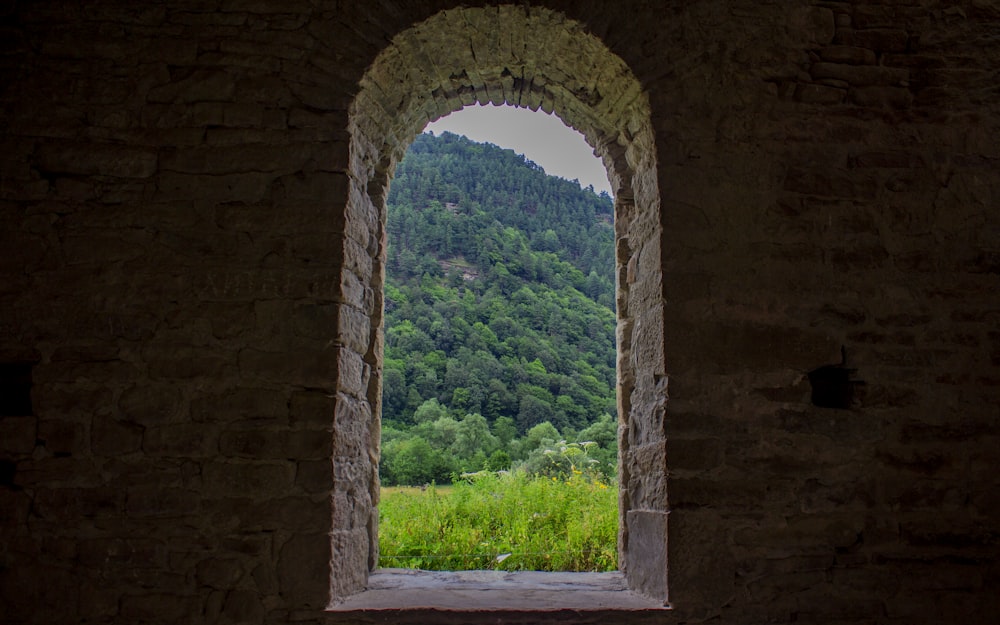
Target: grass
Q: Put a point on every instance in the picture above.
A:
(508, 521)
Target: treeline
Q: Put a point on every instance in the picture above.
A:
(441, 447)
(498, 310)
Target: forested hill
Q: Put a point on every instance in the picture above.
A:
(498, 304)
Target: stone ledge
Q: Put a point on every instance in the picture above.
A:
(406, 590)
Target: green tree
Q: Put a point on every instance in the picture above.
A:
(537, 437)
(429, 411)
(441, 433)
(472, 435)
(413, 461)
(505, 430)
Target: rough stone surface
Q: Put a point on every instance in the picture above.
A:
(192, 225)
(396, 590)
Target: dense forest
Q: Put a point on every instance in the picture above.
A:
(499, 341)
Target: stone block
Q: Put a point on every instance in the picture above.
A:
(351, 428)
(694, 454)
(777, 587)
(315, 476)
(309, 444)
(144, 502)
(85, 373)
(158, 607)
(41, 597)
(701, 565)
(817, 534)
(270, 444)
(352, 373)
(257, 443)
(312, 407)
(17, 435)
(104, 248)
(181, 440)
(298, 514)
(66, 504)
(235, 159)
(848, 54)
(183, 362)
(351, 511)
(647, 552)
(647, 468)
(354, 292)
(649, 429)
(243, 115)
(316, 368)
(97, 601)
(220, 572)
(247, 479)
(200, 85)
(229, 321)
(819, 94)
(241, 187)
(837, 425)
(882, 97)
(354, 329)
(729, 347)
(96, 159)
(240, 404)
(57, 472)
(352, 472)
(315, 321)
(243, 606)
(350, 553)
(889, 159)
(831, 183)
(304, 569)
(314, 186)
(14, 507)
(878, 39)
(812, 24)
(357, 258)
(202, 114)
(860, 75)
(111, 437)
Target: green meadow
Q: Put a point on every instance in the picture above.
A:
(508, 521)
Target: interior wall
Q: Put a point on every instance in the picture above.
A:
(173, 185)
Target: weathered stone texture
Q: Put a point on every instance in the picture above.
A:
(192, 224)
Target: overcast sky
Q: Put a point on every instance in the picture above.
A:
(544, 139)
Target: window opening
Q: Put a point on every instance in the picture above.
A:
(499, 444)
(540, 60)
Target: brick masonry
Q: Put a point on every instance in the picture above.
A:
(191, 200)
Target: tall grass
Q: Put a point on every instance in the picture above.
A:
(508, 521)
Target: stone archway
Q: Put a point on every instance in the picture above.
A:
(526, 57)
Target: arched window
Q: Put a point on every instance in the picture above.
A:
(541, 60)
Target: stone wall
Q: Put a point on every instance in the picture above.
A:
(191, 206)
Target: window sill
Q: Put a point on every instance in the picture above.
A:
(411, 591)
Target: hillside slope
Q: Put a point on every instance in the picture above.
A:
(498, 300)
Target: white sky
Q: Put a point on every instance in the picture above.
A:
(542, 138)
